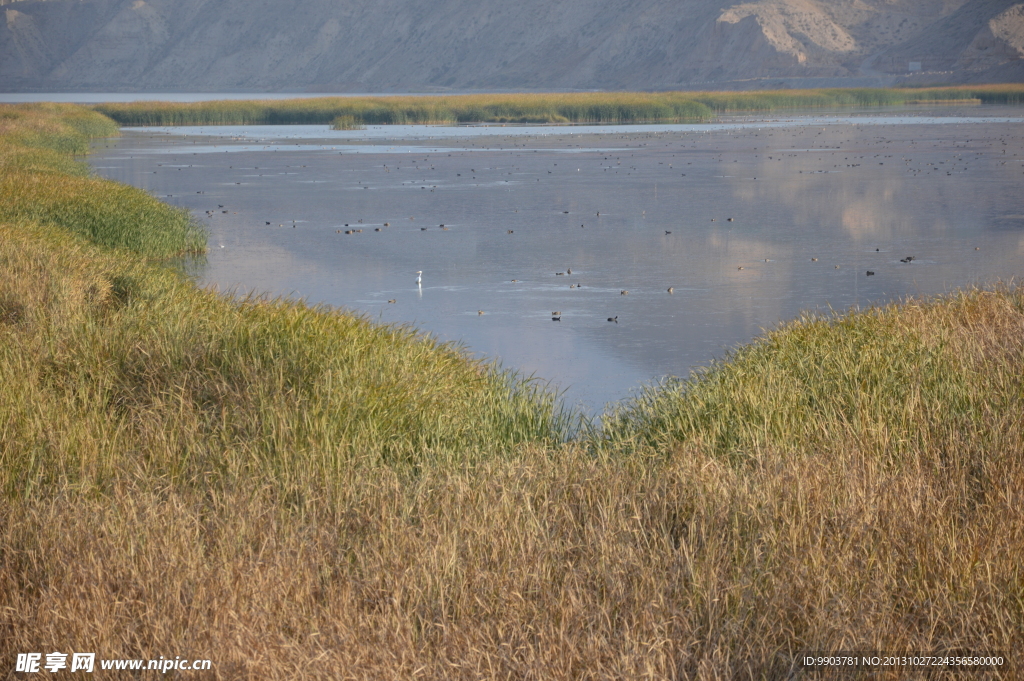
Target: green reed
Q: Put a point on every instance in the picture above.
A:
(560, 108)
(42, 180)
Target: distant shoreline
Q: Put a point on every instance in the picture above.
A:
(562, 108)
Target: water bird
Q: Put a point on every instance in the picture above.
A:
(557, 319)
(568, 270)
(870, 273)
(479, 312)
(559, 274)
(392, 300)
(729, 220)
(423, 229)
(667, 232)
(614, 319)
(739, 268)
(387, 224)
(510, 231)
(419, 277)
(268, 223)
(623, 292)
(671, 289)
(376, 229)
(976, 248)
(814, 260)
(515, 281)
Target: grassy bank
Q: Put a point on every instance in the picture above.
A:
(297, 493)
(41, 180)
(917, 379)
(563, 108)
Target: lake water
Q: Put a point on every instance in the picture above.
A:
(750, 220)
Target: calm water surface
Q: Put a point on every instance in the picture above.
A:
(750, 220)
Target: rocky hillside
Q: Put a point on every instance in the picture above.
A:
(437, 45)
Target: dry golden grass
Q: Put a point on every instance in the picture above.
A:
(138, 520)
(555, 565)
(250, 483)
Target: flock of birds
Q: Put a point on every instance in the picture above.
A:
(955, 162)
(556, 316)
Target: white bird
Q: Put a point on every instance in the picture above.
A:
(419, 277)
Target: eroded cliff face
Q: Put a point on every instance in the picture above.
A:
(1000, 41)
(424, 45)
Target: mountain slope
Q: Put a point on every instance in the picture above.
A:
(401, 45)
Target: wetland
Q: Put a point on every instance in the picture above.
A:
(750, 220)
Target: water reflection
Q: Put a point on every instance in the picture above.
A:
(749, 224)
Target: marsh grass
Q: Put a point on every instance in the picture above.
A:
(914, 377)
(263, 484)
(448, 110)
(293, 492)
(561, 108)
(42, 180)
(198, 384)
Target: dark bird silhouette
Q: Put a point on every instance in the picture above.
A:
(870, 273)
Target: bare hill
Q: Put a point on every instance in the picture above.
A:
(431, 45)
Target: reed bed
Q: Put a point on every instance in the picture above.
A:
(198, 384)
(562, 108)
(914, 377)
(42, 180)
(448, 110)
(293, 492)
(781, 100)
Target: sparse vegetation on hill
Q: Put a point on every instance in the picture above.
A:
(564, 108)
(294, 492)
